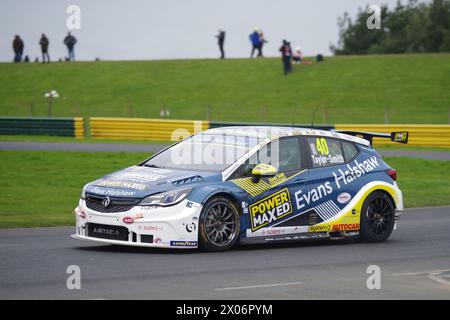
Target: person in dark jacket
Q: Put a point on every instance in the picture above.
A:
(70, 42)
(18, 46)
(256, 43)
(221, 41)
(286, 56)
(262, 41)
(44, 48)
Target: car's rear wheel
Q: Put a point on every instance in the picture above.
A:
(377, 217)
(219, 224)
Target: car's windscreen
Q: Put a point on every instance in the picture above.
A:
(204, 152)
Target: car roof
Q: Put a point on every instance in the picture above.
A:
(275, 132)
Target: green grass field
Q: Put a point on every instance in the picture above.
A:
(42, 188)
(352, 89)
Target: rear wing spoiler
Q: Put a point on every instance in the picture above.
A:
(397, 136)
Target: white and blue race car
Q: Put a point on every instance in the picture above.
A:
(247, 185)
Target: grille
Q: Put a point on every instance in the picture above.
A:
(94, 202)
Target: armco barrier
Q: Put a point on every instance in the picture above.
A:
(144, 129)
(419, 134)
(69, 127)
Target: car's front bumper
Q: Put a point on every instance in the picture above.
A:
(160, 227)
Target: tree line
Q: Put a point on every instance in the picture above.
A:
(409, 28)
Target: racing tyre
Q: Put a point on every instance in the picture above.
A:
(377, 217)
(219, 225)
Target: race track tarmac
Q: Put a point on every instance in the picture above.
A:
(414, 263)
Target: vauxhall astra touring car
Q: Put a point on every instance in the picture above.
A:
(248, 185)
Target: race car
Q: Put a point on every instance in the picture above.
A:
(248, 185)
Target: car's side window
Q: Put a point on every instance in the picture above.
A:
(288, 159)
(350, 150)
(325, 152)
(289, 155)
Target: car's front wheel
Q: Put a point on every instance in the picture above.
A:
(219, 224)
(377, 217)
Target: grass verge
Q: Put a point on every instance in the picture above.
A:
(42, 188)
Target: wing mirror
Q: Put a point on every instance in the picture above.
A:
(263, 170)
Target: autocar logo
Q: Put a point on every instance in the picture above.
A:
(106, 202)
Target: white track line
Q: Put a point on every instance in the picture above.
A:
(420, 273)
(260, 286)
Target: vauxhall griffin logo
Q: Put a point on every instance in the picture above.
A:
(106, 202)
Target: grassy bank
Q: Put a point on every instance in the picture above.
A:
(346, 89)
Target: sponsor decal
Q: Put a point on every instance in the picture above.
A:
(358, 169)
(112, 192)
(191, 227)
(277, 179)
(149, 207)
(180, 243)
(138, 215)
(312, 195)
(122, 184)
(344, 197)
(270, 209)
(157, 240)
(113, 232)
(320, 160)
(345, 226)
(322, 228)
(272, 232)
(128, 220)
(150, 228)
(320, 153)
(400, 137)
(342, 177)
(244, 207)
(138, 177)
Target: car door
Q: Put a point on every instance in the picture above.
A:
(320, 198)
(268, 202)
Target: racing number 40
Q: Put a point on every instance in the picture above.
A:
(322, 146)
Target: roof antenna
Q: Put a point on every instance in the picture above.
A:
(295, 109)
(312, 120)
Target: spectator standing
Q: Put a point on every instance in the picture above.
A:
(256, 43)
(221, 41)
(18, 47)
(262, 41)
(70, 42)
(44, 48)
(286, 56)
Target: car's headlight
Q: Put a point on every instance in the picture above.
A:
(165, 199)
